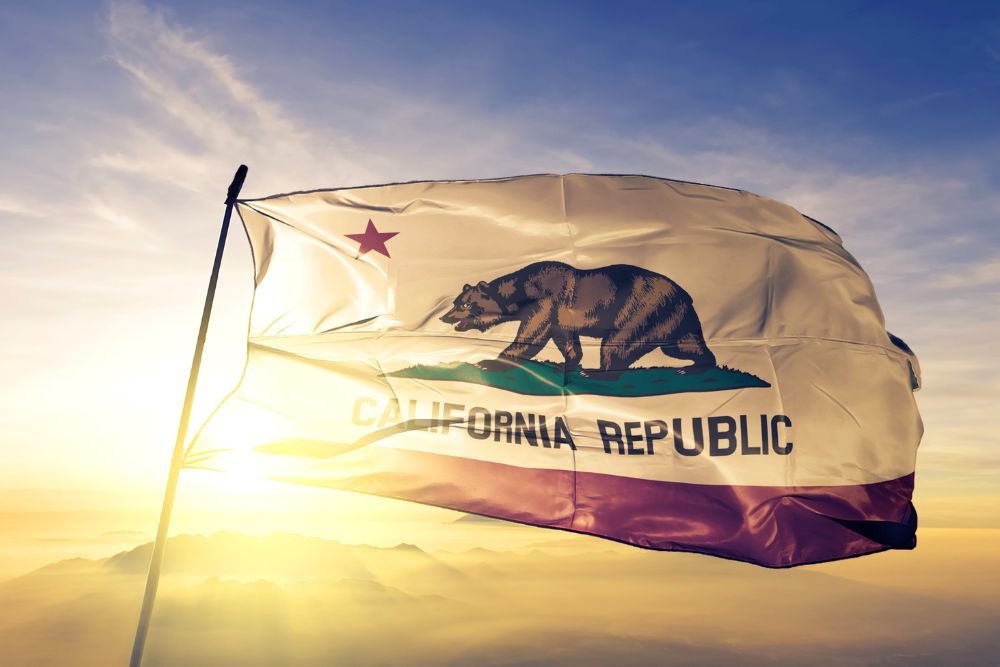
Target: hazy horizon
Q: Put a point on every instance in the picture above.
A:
(542, 598)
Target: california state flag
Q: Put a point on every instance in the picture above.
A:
(676, 366)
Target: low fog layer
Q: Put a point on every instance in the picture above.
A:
(293, 600)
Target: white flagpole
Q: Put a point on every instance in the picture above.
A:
(153, 577)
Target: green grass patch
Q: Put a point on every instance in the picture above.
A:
(546, 379)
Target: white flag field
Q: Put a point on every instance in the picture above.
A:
(671, 365)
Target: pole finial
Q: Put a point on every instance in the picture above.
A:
(236, 185)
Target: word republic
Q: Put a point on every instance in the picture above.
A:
(718, 435)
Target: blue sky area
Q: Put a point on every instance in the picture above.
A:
(124, 121)
(911, 77)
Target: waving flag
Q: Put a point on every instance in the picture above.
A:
(676, 366)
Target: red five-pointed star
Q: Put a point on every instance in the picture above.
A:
(372, 239)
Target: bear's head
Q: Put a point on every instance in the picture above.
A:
(477, 307)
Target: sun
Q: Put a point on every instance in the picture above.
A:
(233, 436)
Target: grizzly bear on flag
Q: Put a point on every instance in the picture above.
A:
(632, 310)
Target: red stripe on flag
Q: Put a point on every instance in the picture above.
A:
(774, 526)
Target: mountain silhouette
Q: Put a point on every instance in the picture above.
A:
(293, 600)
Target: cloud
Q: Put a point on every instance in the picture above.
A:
(202, 116)
(292, 600)
(13, 205)
(975, 274)
(908, 103)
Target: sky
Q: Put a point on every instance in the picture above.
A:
(123, 123)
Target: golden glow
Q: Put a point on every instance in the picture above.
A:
(560, 599)
(240, 472)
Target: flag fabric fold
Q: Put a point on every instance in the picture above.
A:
(671, 365)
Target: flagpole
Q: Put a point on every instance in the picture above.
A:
(153, 576)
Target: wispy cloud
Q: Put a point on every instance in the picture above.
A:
(974, 274)
(907, 103)
(15, 206)
(203, 116)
